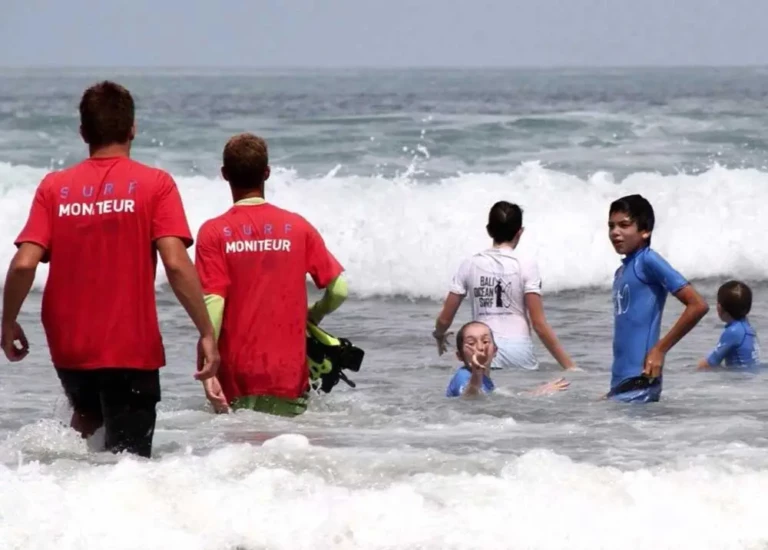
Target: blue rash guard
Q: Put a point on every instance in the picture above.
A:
(460, 381)
(737, 346)
(640, 288)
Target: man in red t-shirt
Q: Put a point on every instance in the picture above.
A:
(100, 225)
(253, 261)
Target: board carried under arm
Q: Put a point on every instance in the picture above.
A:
(328, 357)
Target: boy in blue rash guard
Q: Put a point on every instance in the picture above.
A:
(738, 346)
(640, 289)
(476, 348)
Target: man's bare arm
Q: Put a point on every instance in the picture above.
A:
(185, 283)
(19, 279)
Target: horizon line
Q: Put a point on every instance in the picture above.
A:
(290, 67)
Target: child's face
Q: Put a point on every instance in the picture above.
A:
(478, 340)
(624, 235)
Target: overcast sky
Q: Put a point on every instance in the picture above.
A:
(323, 33)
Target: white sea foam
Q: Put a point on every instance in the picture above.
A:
(405, 237)
(240, 497)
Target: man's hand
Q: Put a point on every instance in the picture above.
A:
(215, 395)
(207, 358)
(11, 333)
(18, 282)
(654, 362)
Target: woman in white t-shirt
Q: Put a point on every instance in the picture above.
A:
(505, 292)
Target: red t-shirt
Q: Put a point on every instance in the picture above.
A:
(98, 222)
(257, 258)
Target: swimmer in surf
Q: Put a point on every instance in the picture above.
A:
(504, 288)
(640, 289)
(738, 347)
(476, 348)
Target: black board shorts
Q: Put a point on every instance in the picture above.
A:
(122, 400)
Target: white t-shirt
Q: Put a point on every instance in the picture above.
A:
(496, 281)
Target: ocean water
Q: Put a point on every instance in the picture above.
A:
(398, 170)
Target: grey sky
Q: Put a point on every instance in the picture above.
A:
(262, 33)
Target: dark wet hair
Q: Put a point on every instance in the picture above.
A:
(106, 114)
(735, 298)
(638, 209)
(460, 336)
(504, 221)
(246, 158)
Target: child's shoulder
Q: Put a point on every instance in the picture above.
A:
(649, 254)
(656, 269)
(461, 373)
(740, 327)
(735, 332)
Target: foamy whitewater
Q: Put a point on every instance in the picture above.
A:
(397, 170)
(402, 238)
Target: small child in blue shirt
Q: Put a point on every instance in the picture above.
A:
(476, 348)
(738, 346)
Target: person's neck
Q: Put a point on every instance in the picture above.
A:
(112, 150)
(638, 249)
(243, 194)
(506, 244)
